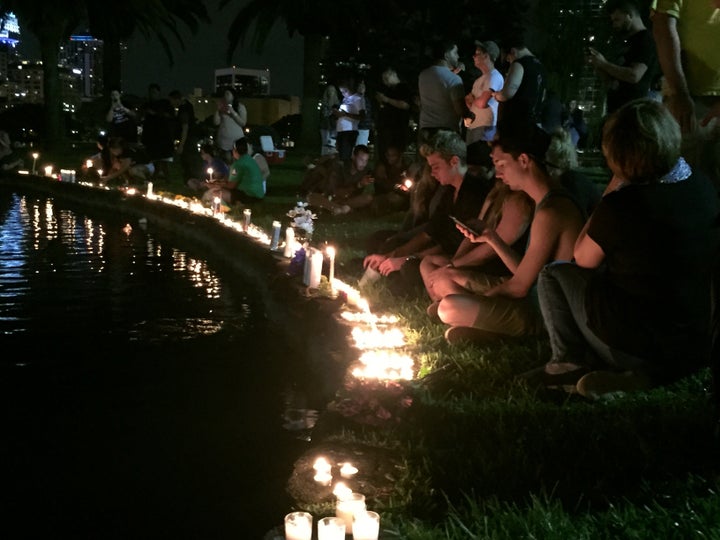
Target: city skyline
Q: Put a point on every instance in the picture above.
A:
(194, 66)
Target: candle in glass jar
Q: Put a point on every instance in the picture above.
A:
(331, 528)
(366, 525)
(348, 506)
(347, 470)
(276, 235)
(247, 215)
(331, 271)
(48, 170)
(298, 526)
(316, 260)
(149, 190)
(289, 243)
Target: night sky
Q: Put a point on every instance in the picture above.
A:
(194, 66)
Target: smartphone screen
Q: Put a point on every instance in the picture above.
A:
(470, 229)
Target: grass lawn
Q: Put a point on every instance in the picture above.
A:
(482, 455)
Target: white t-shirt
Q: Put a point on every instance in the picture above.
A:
(483, 127)
(352, 104)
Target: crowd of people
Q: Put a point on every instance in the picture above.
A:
(506, 238)
(503, 234)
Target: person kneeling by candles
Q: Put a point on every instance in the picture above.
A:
(245, 183)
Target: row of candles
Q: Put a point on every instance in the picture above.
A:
(351, 513)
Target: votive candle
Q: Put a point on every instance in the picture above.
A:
(316, 260)
(48, 170)
(298, 526)
(366, 525)
(331, 528)
(347, 470)
(347, 507)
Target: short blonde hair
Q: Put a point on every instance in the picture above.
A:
(641, 141)
(561, 155)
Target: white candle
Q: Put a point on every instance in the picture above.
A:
(348, 470)
(306, 267)
(322, 465)
(88, 163)
(298, 526)
(366, 525)
(35, 156)
(276, 235)
(347, 507)
(316, 261)
(216, 206)
(331, 272)
(149, 190)
(247, 215)
(209, 171)
(331, 528)
(289, 243)
(48, 170)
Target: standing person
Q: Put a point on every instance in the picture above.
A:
(328, 102)
(687, 35)
(365, 124)
(230, 117)
(654, 210)
(442, 93)
(508, 306)
(631, 76)
(481, 130)
(392, 116)
(186, 135)
(348, 115)
(245, 183)
(523, 90)
(122, 119)
(158, 137)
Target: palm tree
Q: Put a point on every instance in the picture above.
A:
(54, 22)
(115, 23)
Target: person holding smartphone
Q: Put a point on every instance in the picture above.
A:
(121, 119)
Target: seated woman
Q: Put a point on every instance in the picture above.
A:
(507, 212)
(214, 166)
(245, 183)
(633, 310)
(124, 165)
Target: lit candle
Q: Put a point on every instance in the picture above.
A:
(316, 260)
(322, 465)
(366, 525)
(35, 155)
(346, 508)
(348, 470)
(276, 235)
(216, 206)
(323, 478)
(331, 528)
(48, 170)
(149, 190)
(88, 163)
(298, 526)
(209, 171)
(408, 183)
(289, 243)
(331, 272)
(247, 215)
(341, 491)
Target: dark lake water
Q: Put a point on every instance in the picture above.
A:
(142, 392)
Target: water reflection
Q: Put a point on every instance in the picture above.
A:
(141, 389)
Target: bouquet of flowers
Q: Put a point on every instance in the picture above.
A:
(302, 218)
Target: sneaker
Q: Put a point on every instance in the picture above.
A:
(555, 376)
(469, 334)
(609, 384)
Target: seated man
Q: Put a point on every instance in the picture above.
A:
(507, 306)
(340, 188)
(245, 183)
(464, 199)
(390, 193)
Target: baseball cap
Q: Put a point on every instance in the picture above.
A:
(489, 47)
